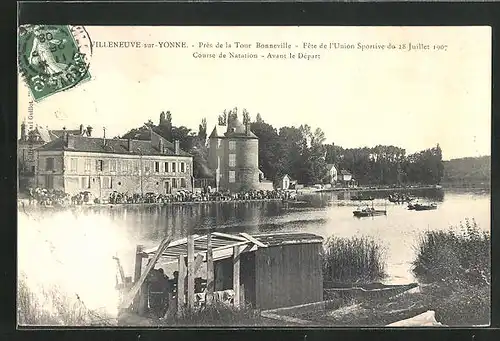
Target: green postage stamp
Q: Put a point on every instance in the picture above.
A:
(53, 58)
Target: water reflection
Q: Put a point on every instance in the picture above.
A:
(325, 214)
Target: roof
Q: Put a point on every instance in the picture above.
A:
(215, 133)
(46, 135)
(236, 129)
(112, 146)
(344, 172)
(59, 133)
(222, 244)
(330, 165)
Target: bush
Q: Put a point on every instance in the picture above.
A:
(216, 314)
(354, 260)
(459, 253)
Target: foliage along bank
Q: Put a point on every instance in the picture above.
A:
(301, 153)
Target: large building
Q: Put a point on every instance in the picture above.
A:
(234, 157)
(100, 166)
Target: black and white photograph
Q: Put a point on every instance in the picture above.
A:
(253, 176)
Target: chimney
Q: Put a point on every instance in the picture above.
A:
(81, 129)
(129, 145)
(104, 136)
(24, 135)
(69, 140)
(89, 131)
(177, 148)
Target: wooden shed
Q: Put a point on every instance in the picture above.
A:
(265, 270)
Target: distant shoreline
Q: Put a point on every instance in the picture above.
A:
(376, 189)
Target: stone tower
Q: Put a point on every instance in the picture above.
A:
(234, 157)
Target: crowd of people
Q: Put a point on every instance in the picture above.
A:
(47, 197)
(43, 196)
(205, 195)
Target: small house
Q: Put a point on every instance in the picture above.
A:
(332, 173)
(287, 182)
(347, 179)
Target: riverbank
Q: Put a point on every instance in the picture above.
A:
(25, 203)
(373, 189)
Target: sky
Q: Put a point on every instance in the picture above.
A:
(411, 99)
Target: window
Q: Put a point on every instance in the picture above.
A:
(174, 183)
(183, 183)
(87, 165)
(108, 182)
(183, 167)
(157, 167)
(232, 145)
(147, 166)
(166, 166)
(232, 160)
(136, 166)
(112, 165)
(125, 166)
(232, 176)
(73, 166)
(173, 167)
(85, 182)
(49, 163)
(99, 165)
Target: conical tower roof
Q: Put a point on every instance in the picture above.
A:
(237, 129)
(215, 133)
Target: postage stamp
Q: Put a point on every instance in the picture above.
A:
(53, 58)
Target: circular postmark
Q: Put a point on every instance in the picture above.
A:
(53, 58)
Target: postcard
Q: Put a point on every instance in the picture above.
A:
(254, 176)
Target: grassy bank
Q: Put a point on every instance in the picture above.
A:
(217, 314)
(461, 253)
(52, 307)
(353, 260)
(457, 266)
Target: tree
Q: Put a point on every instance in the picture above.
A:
(246, 117)
(202, 130)
(269, 148)
(165, 125)
(223, 118)
(232, 115)
(258, 118)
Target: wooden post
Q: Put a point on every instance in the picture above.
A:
(210, 271)
(190, 272)
(236, 275)
(137, 274)
(180, 285)
(130, 296)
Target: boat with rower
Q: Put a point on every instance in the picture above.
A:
(368, 212)
(424, 207)
(360, 197)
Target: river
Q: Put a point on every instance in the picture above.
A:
(325, 214)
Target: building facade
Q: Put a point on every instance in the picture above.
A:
(101, 166)
(27, 146)
(234, 157)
